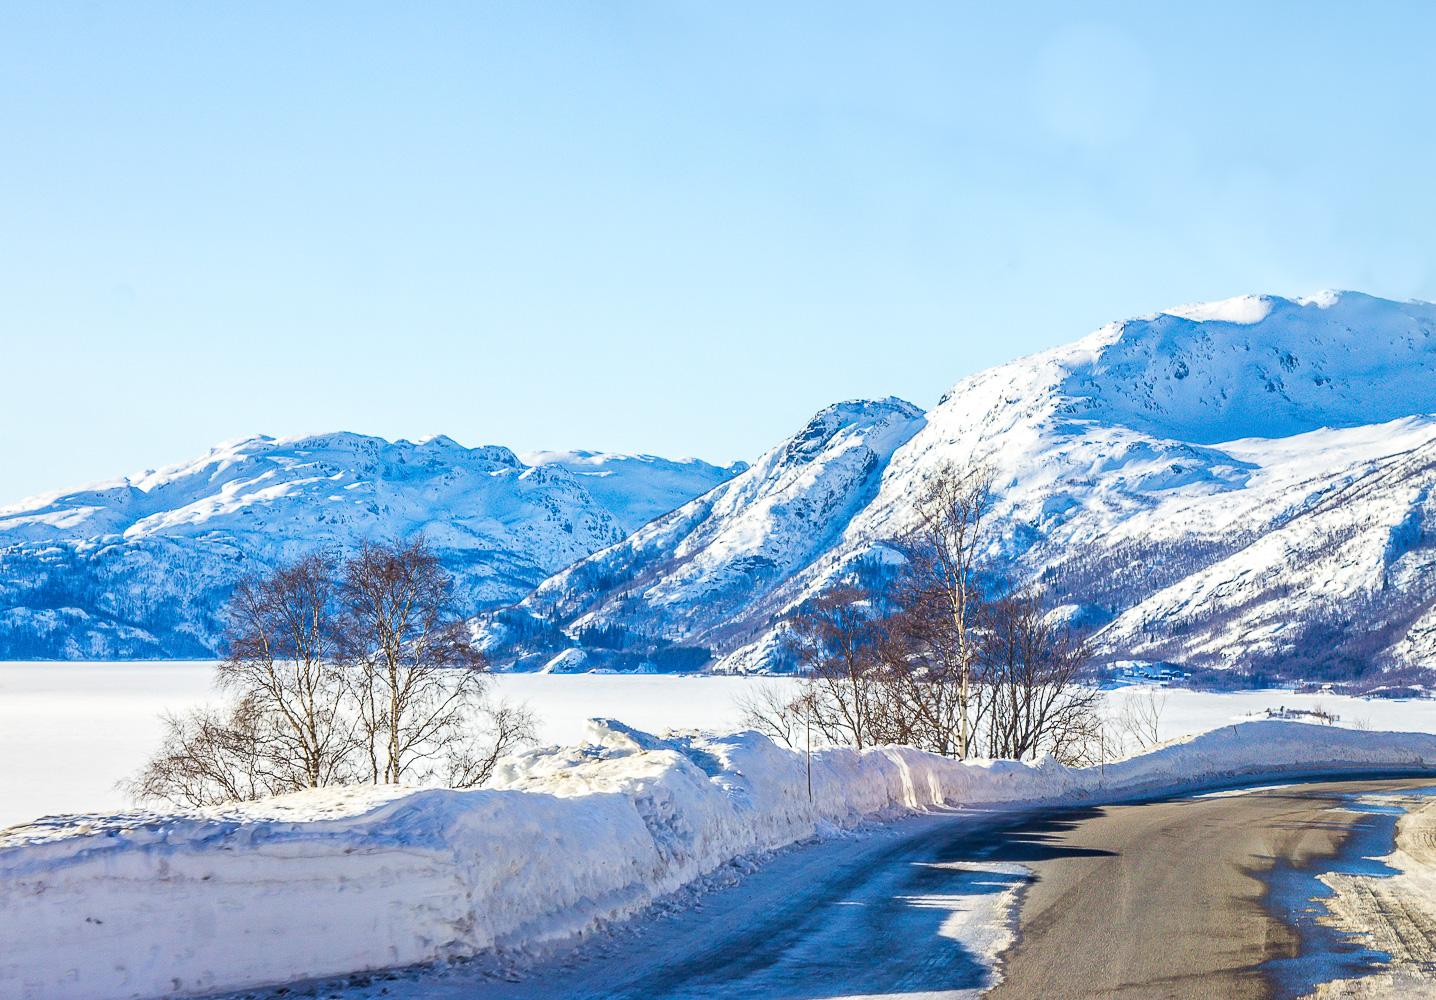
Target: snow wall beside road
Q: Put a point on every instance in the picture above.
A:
(331, 882)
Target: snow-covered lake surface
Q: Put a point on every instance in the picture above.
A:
(72, 731)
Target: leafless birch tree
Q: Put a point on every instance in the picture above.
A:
(1031, 668)
(208, 757)
(780, 711)
(364, 676)
(1139, 721)
(934, 660)
(837, 641)
(418, 680)
(943, 549)
(284, 660)
(933, 701)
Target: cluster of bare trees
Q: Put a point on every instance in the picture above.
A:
(340, 673)
(1137, 725)
(933, 661)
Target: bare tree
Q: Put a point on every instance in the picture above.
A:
(284, 661)
(208, 757)
(286, 727)
(932, 701)
(1032, 668)
(498, 730)
(943, 548)
(778, 711)
(837, 639)
(417, 678)
(372, 678)
(1139, 721)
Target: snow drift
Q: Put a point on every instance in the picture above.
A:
(336, 881)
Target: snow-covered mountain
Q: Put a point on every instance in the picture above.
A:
(1246, 482)
(636, 488)
(725, 559)
(141, 566)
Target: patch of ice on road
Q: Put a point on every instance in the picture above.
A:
(985, 923)
(1226, 793)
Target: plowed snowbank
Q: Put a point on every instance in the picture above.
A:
(329, 882)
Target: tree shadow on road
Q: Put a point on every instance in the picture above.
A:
(898, 936)
(1041, 839)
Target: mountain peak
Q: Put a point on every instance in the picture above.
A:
(1243, 309)
(1252, 366)
(1259, 366)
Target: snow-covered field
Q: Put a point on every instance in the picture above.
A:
(76, 729)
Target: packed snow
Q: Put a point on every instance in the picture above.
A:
(144, 905)
(1391, 905)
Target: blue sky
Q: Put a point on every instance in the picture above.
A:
(670, 227)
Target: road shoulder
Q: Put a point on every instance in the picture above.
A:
(1393, 913)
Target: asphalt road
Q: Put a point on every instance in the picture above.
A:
(1165, 899)
(1169, 899)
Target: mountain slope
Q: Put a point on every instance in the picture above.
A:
(1233, 483)
(141, 566)
(681, 581)
(635, 489)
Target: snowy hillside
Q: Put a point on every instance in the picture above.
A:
(637, 488)
(723, 559)
(140, 566)
(1237, 483)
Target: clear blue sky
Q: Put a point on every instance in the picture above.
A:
(667, 227)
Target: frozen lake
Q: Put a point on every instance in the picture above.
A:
(71, 731)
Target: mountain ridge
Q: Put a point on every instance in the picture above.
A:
(1150, 452)
(1239, 484)
(141, 565)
